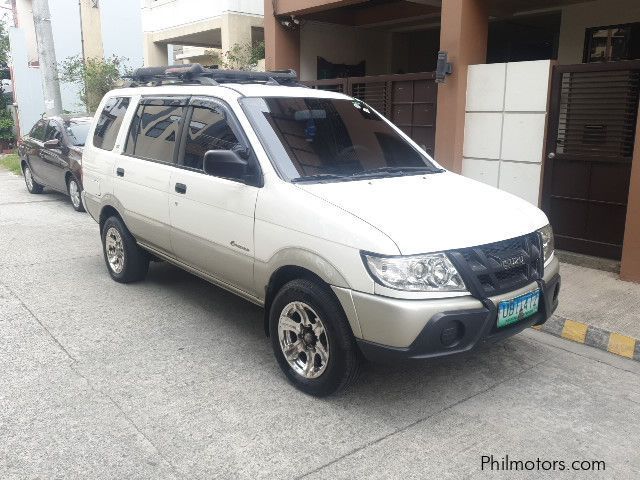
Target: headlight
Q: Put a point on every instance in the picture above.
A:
(419, 273)
(548, 246)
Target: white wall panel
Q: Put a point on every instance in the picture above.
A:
(505, 126)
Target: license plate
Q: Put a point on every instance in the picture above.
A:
(517, 309)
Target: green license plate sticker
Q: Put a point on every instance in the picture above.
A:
(517, 309)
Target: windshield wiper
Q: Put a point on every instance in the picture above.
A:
(398, 171)
(319, 177)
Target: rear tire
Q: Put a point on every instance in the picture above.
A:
(32, 186)
(75, 194)
(307, 322)
(126, 261)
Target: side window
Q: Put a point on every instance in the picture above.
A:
(38, 131)
(209, 129)
(154, 132)
(53, 133)
(109, 122)
(133, 131)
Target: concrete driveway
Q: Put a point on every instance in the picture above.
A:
(173, 378)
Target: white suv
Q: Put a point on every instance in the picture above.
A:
(315, 207)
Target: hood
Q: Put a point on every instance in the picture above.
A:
(431, 213)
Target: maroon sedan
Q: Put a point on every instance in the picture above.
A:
(51, 156)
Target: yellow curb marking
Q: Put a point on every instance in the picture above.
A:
(621, 345)
(575, 331)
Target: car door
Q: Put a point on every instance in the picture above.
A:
(143, 172)
(54, 164)
(32, 146)
(212, 217)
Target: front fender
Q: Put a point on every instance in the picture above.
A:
(297, 257)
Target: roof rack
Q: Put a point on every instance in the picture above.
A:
(194, 73)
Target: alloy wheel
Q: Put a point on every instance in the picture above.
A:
(74, 193)
(28, 178)
(114, 250)
(303, 340)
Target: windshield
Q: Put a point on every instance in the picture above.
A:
(329, 139)
(78, 132)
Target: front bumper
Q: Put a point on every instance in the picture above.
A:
(451, 330)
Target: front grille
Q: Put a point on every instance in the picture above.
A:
(500, 267)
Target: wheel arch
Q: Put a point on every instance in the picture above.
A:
(106, 212)
(288, 272)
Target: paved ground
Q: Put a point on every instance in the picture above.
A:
(601, 299)
(173, 378)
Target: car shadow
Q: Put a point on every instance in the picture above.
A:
(380, 385)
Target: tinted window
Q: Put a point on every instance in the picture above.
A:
(109, 123)
(154, 132)
(38, 130)
(311, 137)
(208, 130)
(133, 131)
(53, 132)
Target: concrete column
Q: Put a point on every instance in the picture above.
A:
(282, 47)
(464, 30)
(155, 54)
(630, 267)
(236, 29)
(92, 46)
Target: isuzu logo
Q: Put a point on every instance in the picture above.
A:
(512, 262)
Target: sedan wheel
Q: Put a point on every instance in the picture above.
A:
(32, 186)
(74, 194)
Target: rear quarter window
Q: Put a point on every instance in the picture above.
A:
(109, 123)
(155, 130)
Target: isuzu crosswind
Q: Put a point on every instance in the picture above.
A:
(312, 205)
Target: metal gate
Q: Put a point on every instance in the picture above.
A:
(589, 151)
(408, 100)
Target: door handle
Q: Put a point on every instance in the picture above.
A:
(120, 172)
(551, 156)
(181, 188)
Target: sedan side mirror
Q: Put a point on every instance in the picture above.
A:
(225, 163)
(53, 143)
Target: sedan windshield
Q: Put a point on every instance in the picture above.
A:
(325, 139)
(78, 132)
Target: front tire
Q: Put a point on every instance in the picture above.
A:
(75, 194)
(32, 186)
(312, 340)
(126, 261)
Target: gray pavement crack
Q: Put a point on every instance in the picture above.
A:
(31, 201)
(73, 365)
(49, 262)
(128, 419)
(419, 421)
(35, 317)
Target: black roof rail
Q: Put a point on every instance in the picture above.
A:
(194, 73)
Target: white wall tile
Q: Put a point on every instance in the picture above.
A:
(485, 171)
(521, 179)
(527, 86)
(485, 87)
(482, 132)
(523, 137)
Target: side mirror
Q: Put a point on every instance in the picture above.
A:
(225, 163)
(53, 143)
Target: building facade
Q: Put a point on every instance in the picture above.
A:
(202, 30)
(88, 28)
(542, 100)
